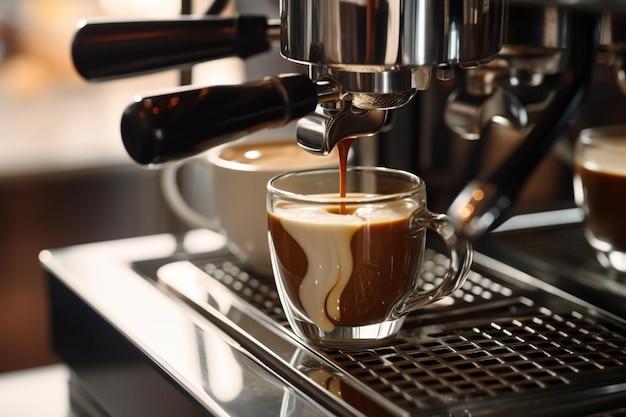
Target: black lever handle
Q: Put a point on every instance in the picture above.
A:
(186, 122)
(114, 49)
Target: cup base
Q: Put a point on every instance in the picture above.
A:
(612, 260)
(347, 337)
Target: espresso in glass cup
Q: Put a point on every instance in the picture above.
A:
(600, 191)
(348, 268)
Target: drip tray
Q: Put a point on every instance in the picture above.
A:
(505, 343)
(554, 249)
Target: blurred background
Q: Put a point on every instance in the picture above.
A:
(64, 175)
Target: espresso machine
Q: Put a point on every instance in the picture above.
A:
(154, 326)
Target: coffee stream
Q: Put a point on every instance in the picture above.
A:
(344, 148)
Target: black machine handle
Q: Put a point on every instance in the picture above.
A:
(186, 122)
(113, 49)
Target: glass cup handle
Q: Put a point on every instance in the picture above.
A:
(460, 255)
(178, 204)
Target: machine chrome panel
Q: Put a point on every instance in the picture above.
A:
(394, 33)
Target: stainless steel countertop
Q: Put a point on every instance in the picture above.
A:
(40, 391)
(212, 367)
(505, 342)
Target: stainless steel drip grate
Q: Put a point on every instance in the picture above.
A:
(490, 341)
(519, 355)
(260, 292)
(563, 258)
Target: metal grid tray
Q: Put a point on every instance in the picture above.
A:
(505, 343)
(559, 254)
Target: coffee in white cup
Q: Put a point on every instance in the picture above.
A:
(237, 173)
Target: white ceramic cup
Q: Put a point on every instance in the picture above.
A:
(238, 173)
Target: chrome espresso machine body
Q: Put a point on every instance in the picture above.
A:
(159, 326)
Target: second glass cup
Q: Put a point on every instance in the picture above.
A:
(600, 191)
(348, 269)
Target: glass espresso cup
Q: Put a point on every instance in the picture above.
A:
(348, 269)
(600, 191)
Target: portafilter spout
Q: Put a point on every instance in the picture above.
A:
(320, 132)
(381, 53)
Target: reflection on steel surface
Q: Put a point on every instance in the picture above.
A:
(496, 344)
